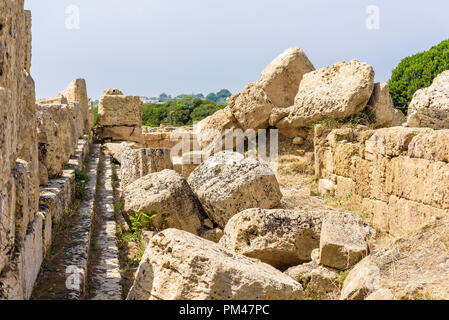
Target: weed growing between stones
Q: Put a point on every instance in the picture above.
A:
(364, 118)
(81, 180)
(341, 278)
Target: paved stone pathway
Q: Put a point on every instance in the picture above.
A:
(77, 254)
(105, 268)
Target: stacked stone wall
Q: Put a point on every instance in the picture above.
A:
(399, 175)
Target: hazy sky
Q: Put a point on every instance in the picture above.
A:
(146, 47)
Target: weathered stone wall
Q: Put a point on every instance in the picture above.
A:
(400, 175)
(165, 137)
(19, 175)
(188, 155)
(36, 141)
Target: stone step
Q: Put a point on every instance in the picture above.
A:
(104, 270)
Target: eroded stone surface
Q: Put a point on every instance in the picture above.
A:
(343, 240)
(430, 106)
(281, 78)
(337, 92)
(281, 238)
(136, 163)
(227, 183)
(178, 265)
(382, 107)
(319, 282)
(167, 195)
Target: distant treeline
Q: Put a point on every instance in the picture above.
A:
(180, 112)
(219, 98)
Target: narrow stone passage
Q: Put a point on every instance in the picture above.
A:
(77, 253)
(62, 275)
(104, 270)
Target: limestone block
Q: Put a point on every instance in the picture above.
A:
(32, 255)
(319, 282)
(281, 238)
(431, 146)
(337, 92)
(136, 163)
(179, 265)
(120, 110)
(251, 107)
(345, 187)
(26, 201)
(212, 129)
(391, 142)
(429, 106)
(380, 213)
(76, 92)
(419, 180)
(326, 187)
(7, 221)
(407, 216)
(343, 240)
(130, 134)
(343, 159)
(281, 78)
(382, 107)
(167, 195)
(227, 183)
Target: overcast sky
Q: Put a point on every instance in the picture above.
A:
(146, 47)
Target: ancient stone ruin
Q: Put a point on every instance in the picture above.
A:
(114, 211)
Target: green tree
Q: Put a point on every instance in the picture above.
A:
(153, 115)
(212, 97)
(204, 111)
(95, 111)
(416, 72)
(224, 93)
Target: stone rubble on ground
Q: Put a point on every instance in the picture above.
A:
(213, 229)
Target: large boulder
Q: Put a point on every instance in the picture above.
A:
(281, 238)
(227, 183)
(251, 107)
(168, 195)
(181, 266)
(344, 240)
(276, 88)
(430, 106)
(136, 163)
(281, 78)
(382, 107)
(337, 92)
